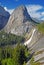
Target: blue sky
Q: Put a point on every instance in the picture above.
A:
(14, 3)
(35, 7)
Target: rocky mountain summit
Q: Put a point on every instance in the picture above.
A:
(20, 22)
(4, 16)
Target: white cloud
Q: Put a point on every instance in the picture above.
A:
(9, 10)
(5, 8)
(34, 7)
(42, 18)
(34, 11)
(42, 13)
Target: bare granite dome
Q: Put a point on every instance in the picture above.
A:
(19, 22)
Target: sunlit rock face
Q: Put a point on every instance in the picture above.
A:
(19, 22)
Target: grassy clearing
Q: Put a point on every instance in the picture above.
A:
(41, 27)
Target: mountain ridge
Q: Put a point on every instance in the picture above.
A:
(20, 22)
(4, 16)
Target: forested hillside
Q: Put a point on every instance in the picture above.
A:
(9, 39)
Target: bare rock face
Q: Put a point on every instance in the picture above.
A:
(4, 16)
(19, 22)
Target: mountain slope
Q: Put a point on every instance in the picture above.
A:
(20, 22)
(4, 16)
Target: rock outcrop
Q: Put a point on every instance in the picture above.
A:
(19, 22)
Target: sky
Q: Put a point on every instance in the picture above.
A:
(34, 7)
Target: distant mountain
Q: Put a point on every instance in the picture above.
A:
(20, 22)
(4, 16)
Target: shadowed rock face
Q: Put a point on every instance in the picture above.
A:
(19, 22)
(4, 16)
